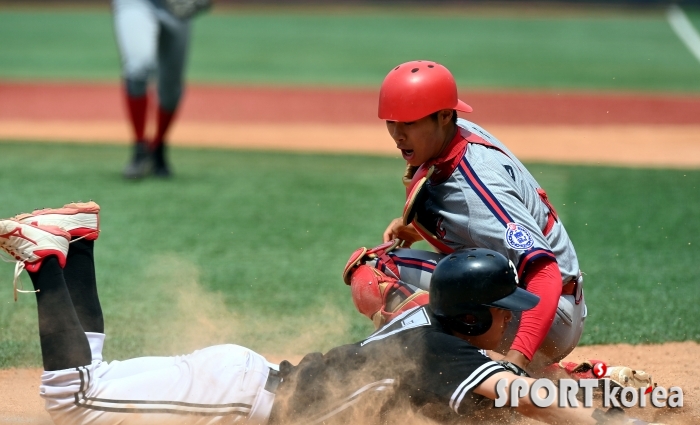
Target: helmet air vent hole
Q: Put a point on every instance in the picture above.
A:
(431, 66)
(397, 67)
(470, 256)
(414, 70)
(491, 255)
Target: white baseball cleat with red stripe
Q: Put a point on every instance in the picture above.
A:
(81, 220)
(29, 245)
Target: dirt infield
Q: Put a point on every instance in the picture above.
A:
(620, 129)
(668, 363)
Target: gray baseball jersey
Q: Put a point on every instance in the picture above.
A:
(414, 268)
(480, 195)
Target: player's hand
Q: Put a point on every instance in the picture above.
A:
(397, 230)
(517, 358)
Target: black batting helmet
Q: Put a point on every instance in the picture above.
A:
(467, 282)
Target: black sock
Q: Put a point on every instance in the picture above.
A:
(63, 341)
(82, 285)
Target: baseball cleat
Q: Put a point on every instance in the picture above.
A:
(160, 164)
(80, 220)
(140, 164)
(29, 245)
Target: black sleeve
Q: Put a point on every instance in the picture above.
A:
(317, 384)
(451, 369)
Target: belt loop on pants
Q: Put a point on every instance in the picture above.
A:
(262, 406)
(273, 380)
(574, 287)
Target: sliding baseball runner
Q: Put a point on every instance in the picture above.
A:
(427, 361)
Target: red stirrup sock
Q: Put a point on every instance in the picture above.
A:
(137, 107)
(165, 119)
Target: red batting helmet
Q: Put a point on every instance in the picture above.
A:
(416, 89)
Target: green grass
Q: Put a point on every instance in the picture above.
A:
(694, 15)
(248, 247)
(636, 232)
(634, 52)
(244, 247)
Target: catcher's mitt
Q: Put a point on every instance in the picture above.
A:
(185, 9)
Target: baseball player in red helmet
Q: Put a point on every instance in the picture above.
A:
(465, 189)
(444, 375)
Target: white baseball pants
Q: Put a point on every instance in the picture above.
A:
(216, 385)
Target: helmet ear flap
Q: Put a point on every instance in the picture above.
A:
(475, 322)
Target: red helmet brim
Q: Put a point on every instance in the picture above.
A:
(462, 107)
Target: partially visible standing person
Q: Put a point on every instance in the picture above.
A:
(153, 38)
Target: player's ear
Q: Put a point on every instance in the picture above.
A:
(445, 116)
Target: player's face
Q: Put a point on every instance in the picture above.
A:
(492, 338)
(422, 140)
(500, 322)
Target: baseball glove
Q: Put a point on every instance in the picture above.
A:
(621, 376)
(185, 9)
(627, 377)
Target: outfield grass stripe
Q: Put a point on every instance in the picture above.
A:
(248, 247)
(684, 29)
(615, 52)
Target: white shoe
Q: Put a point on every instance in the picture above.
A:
(81, 220)
(29, 245)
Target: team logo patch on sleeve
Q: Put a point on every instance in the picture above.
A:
(517, 237)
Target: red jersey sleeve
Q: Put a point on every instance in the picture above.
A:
(543, 279)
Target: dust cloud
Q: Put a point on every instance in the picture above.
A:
(197, 317)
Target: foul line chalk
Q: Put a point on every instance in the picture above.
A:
(684, 29)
